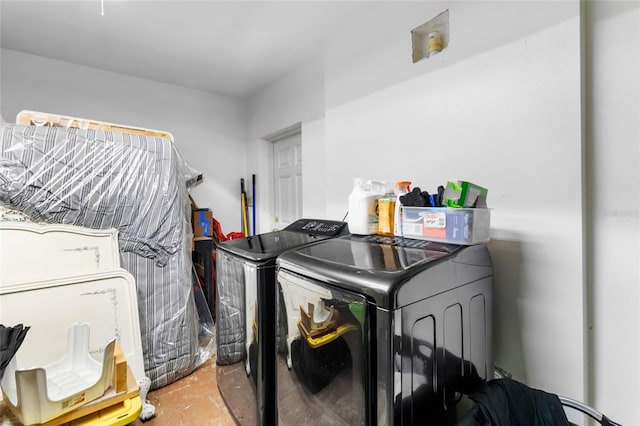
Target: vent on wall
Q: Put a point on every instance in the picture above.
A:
(431, 37)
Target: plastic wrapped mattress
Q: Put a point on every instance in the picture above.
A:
(136, 184)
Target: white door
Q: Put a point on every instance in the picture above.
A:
(287, 172)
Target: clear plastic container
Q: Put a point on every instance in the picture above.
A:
(448, 225)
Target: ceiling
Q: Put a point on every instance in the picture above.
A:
(233, 48)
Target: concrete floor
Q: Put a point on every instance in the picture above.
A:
(192, 400)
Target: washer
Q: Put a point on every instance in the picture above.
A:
(381, 330)
(246, 319)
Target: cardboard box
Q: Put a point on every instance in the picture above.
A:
(202, 220)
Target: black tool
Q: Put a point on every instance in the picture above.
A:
(414, 199)
(440, 195)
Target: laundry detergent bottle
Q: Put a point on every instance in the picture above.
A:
(403, 187)
(386, 211)
(363, 206)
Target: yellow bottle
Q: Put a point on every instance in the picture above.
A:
(386, 212)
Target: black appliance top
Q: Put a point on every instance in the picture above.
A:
(380, 266)
(266, 247)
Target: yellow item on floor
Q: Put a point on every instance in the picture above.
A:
(316, 342)
(119, 414)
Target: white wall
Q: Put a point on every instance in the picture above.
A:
(297, 97)
(508, 118)
(503, 106)
(209, 130)
(613, 189)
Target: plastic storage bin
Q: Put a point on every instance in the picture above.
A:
(448, 225)
(39, 394)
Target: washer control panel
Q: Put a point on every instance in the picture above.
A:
(329, 228)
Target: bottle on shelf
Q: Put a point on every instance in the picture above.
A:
(402, 187)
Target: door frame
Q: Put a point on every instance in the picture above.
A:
(270, 139)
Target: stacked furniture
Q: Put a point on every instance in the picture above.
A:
(64, 170)
(66, 284)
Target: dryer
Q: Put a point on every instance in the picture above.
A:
(245, 315)
(381, 330)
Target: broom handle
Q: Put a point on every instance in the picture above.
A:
(253, 197)
(243, 208)
(244, 214)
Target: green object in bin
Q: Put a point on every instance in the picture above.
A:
(464, 194)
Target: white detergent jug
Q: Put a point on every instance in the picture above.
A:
(363, 206)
